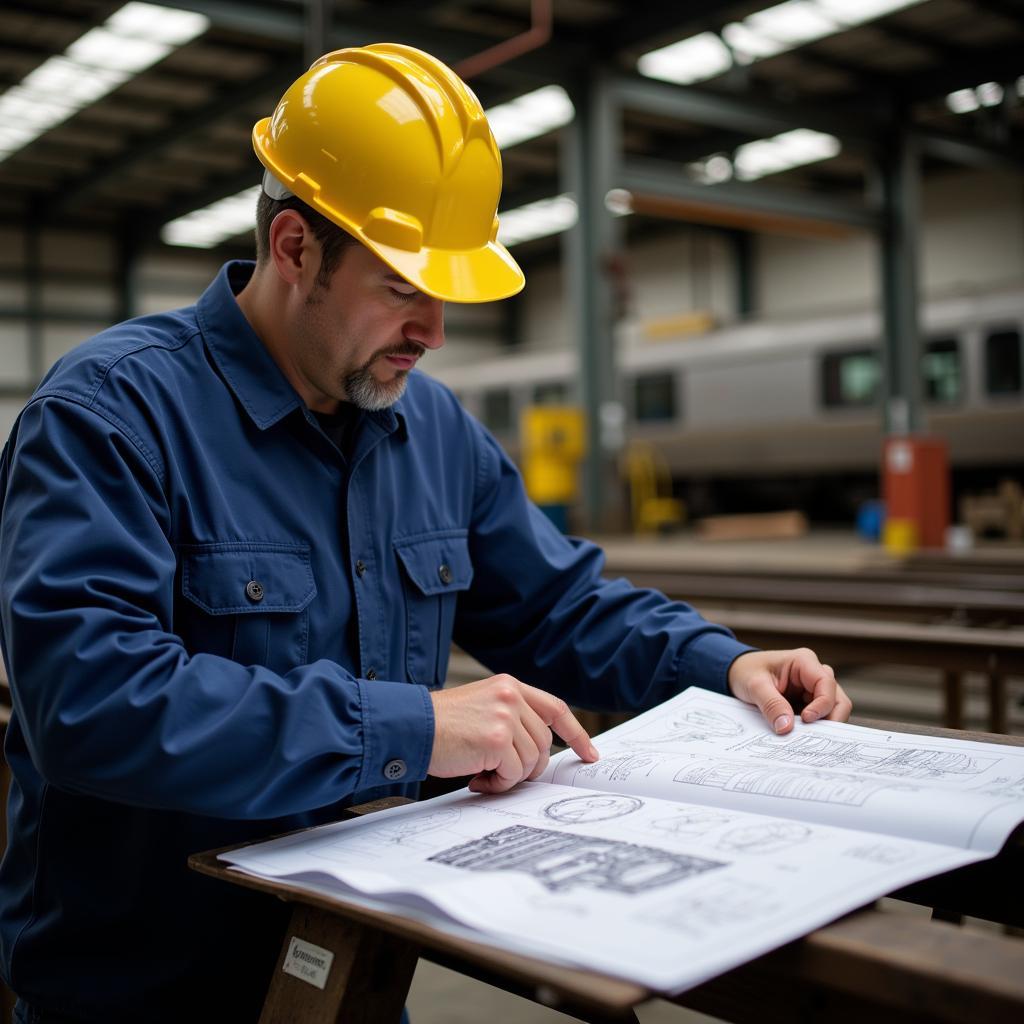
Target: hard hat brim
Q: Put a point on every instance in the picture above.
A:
(478, 275)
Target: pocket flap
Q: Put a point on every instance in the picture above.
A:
(235, 578)
(438, 563)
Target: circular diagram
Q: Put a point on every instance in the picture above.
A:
(575, 809)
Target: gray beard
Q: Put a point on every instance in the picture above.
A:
(366, 392)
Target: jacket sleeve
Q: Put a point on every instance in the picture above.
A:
(539, 609)
(111, 703)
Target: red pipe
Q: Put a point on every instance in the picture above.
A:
(533, 38)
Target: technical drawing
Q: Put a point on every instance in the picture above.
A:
(717, 903)
(694, 821)
(561, 860)
(690, 724)
(403, 831)
(769, 837)
(1003, 786)
(879, 853)
(617, 769)
(870, 758)
(766, 780)
(594, 807)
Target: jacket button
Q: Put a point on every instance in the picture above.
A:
(360, 567)
(445, 573)
(371, 674)
(394, 770)
(254, 590)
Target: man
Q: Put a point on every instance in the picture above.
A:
(237, 540)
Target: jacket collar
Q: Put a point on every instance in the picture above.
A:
(244, 361)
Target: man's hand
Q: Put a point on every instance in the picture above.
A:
(767, 678)
(499, 730)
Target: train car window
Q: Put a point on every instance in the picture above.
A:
(497, 410)
(654, 398)
(850, 378)
(940, 368)
(1002, 363)
(551, 393)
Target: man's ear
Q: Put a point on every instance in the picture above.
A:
(292, 246)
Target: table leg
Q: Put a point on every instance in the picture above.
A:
(952, 684)
(365, 973)
(996, 702)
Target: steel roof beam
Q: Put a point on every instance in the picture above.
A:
(658, 179)
(754, 116)
(351, 29)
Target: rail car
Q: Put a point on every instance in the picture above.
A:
(746, 414)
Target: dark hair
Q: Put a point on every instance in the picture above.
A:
(333, 240)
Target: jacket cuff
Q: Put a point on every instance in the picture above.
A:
(706, 660)
(398, 732)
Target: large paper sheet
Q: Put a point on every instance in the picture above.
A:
(664, 894)
(706, 748)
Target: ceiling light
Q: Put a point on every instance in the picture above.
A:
(990, 94)
(101, 48)
(856, 12)
(531, 115)
(690, 60)
(537, 220)
(792, 23)
(213, 224)
(963, 101)
(760, 35)
(132, 39)
(160, 24)
(712, 171)
(75, 83)
(783, 152)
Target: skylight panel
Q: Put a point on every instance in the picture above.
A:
(792, 23)
(857, 12)
(160, 24)
(132, 39)
(101, 48)
(761, 35)
(690, 60)
(988, 94)
(783, 152)
(213, 224)
(530, 116)
(537, 220)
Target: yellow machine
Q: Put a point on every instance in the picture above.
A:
(650, 491)
(554, 443)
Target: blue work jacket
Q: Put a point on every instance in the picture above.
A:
(217, 627)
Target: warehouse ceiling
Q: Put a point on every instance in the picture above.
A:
(173, 136)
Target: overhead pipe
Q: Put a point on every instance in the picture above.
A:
(536, 36)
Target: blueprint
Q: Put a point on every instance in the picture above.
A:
(705, 748)
(698, 841)
(666, 894)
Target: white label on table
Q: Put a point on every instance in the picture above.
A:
(310, 963)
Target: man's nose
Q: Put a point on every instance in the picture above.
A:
(426, 325)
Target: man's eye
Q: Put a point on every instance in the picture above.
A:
(403, 296)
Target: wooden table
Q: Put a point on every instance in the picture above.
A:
(893, 967)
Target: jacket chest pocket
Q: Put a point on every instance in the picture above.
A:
(437, 569)
(257, 597)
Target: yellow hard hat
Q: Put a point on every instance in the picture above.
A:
(391, 145)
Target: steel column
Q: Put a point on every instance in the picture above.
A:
(899, 175)
(317, 29)
(591, 146)
(34, 294)
(128, 246)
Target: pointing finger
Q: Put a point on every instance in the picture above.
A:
(555, 713)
